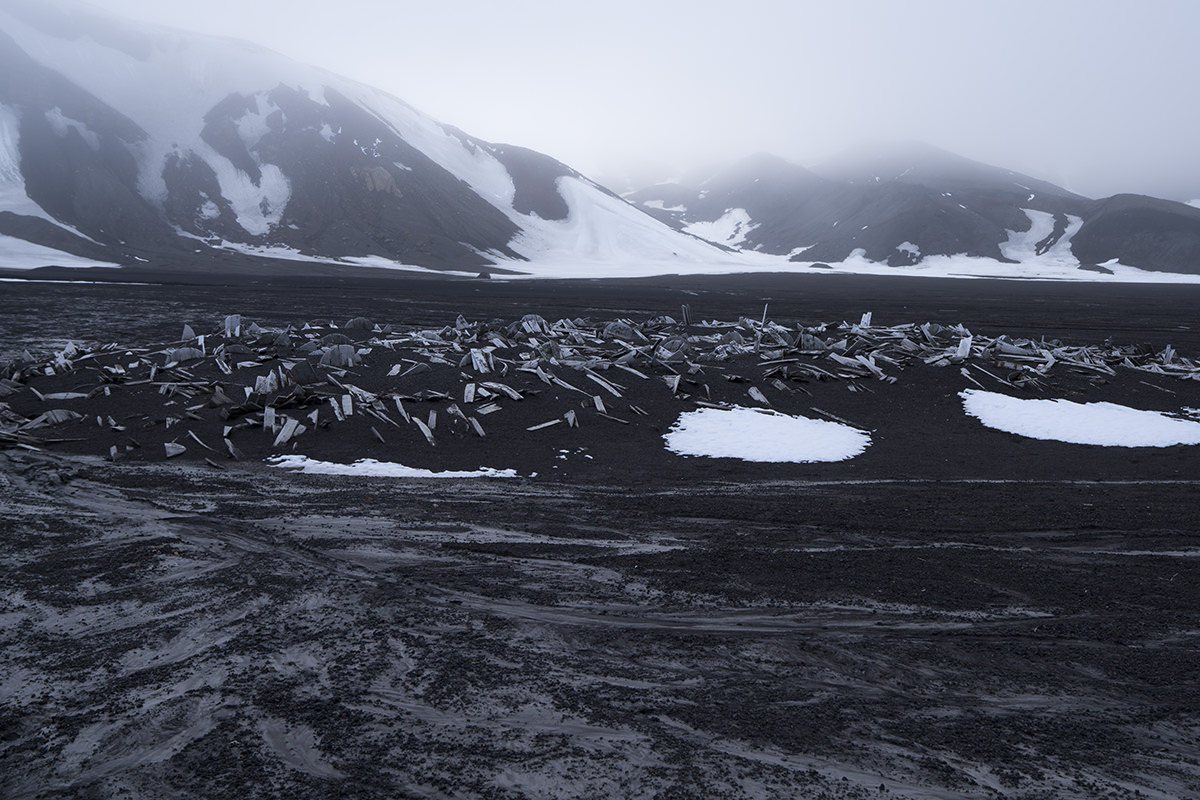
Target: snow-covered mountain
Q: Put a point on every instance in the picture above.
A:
(902, 204)
(128, 143)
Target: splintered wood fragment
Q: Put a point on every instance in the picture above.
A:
(112, 453)
(638, 410)
(469, 394)
(219, 398)
(480, 361)
(173, 449)
(557, 381)
(432, 423)
(347, 405)
(836, 418)
(598, 401)
(378, 435)
(869, 363)
(502, 388)
(378, 414)
(476, 426)
(402, 410)
(213, 464)
(416, 368)
(489, 408)
(395, 370)
(615, 419)
(196, 439)
(630, 369)
(543, 425)
(425, 431)
(967, 374)
(337, 409)
(313, 417)
(610, 387)
(572, 418)
(287, 432)
(756, 394)
(672, 382)
(1160, 388)
(990, 375)
(964, 349)
(778, 384)
(269, 419)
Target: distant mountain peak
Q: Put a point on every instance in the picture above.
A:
(900, 203)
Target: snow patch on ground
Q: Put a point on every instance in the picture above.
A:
(963, 266)
(731, 229)
(764, 436)
(1103, 424)
(370, 468)
(1194, 203)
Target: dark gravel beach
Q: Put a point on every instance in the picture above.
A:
(958, 612)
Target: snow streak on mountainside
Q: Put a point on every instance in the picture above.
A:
(136, 142)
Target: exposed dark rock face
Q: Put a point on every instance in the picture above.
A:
(1141, 232)
(535, 177)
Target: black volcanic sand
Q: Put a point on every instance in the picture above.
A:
(958, 612)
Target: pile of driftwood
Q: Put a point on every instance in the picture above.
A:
(210, 392)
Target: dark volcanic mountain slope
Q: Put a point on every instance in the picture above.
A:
(1141, 232)
(75, 161)
(897, 207)
(126, 143)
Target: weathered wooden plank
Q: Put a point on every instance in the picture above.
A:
(425, 431)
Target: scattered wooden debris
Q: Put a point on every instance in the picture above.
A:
(242, 376)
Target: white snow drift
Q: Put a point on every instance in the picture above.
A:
(1104, 424)
(766, 436)
(370, 468)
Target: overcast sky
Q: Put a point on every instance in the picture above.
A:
(1099, 96)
